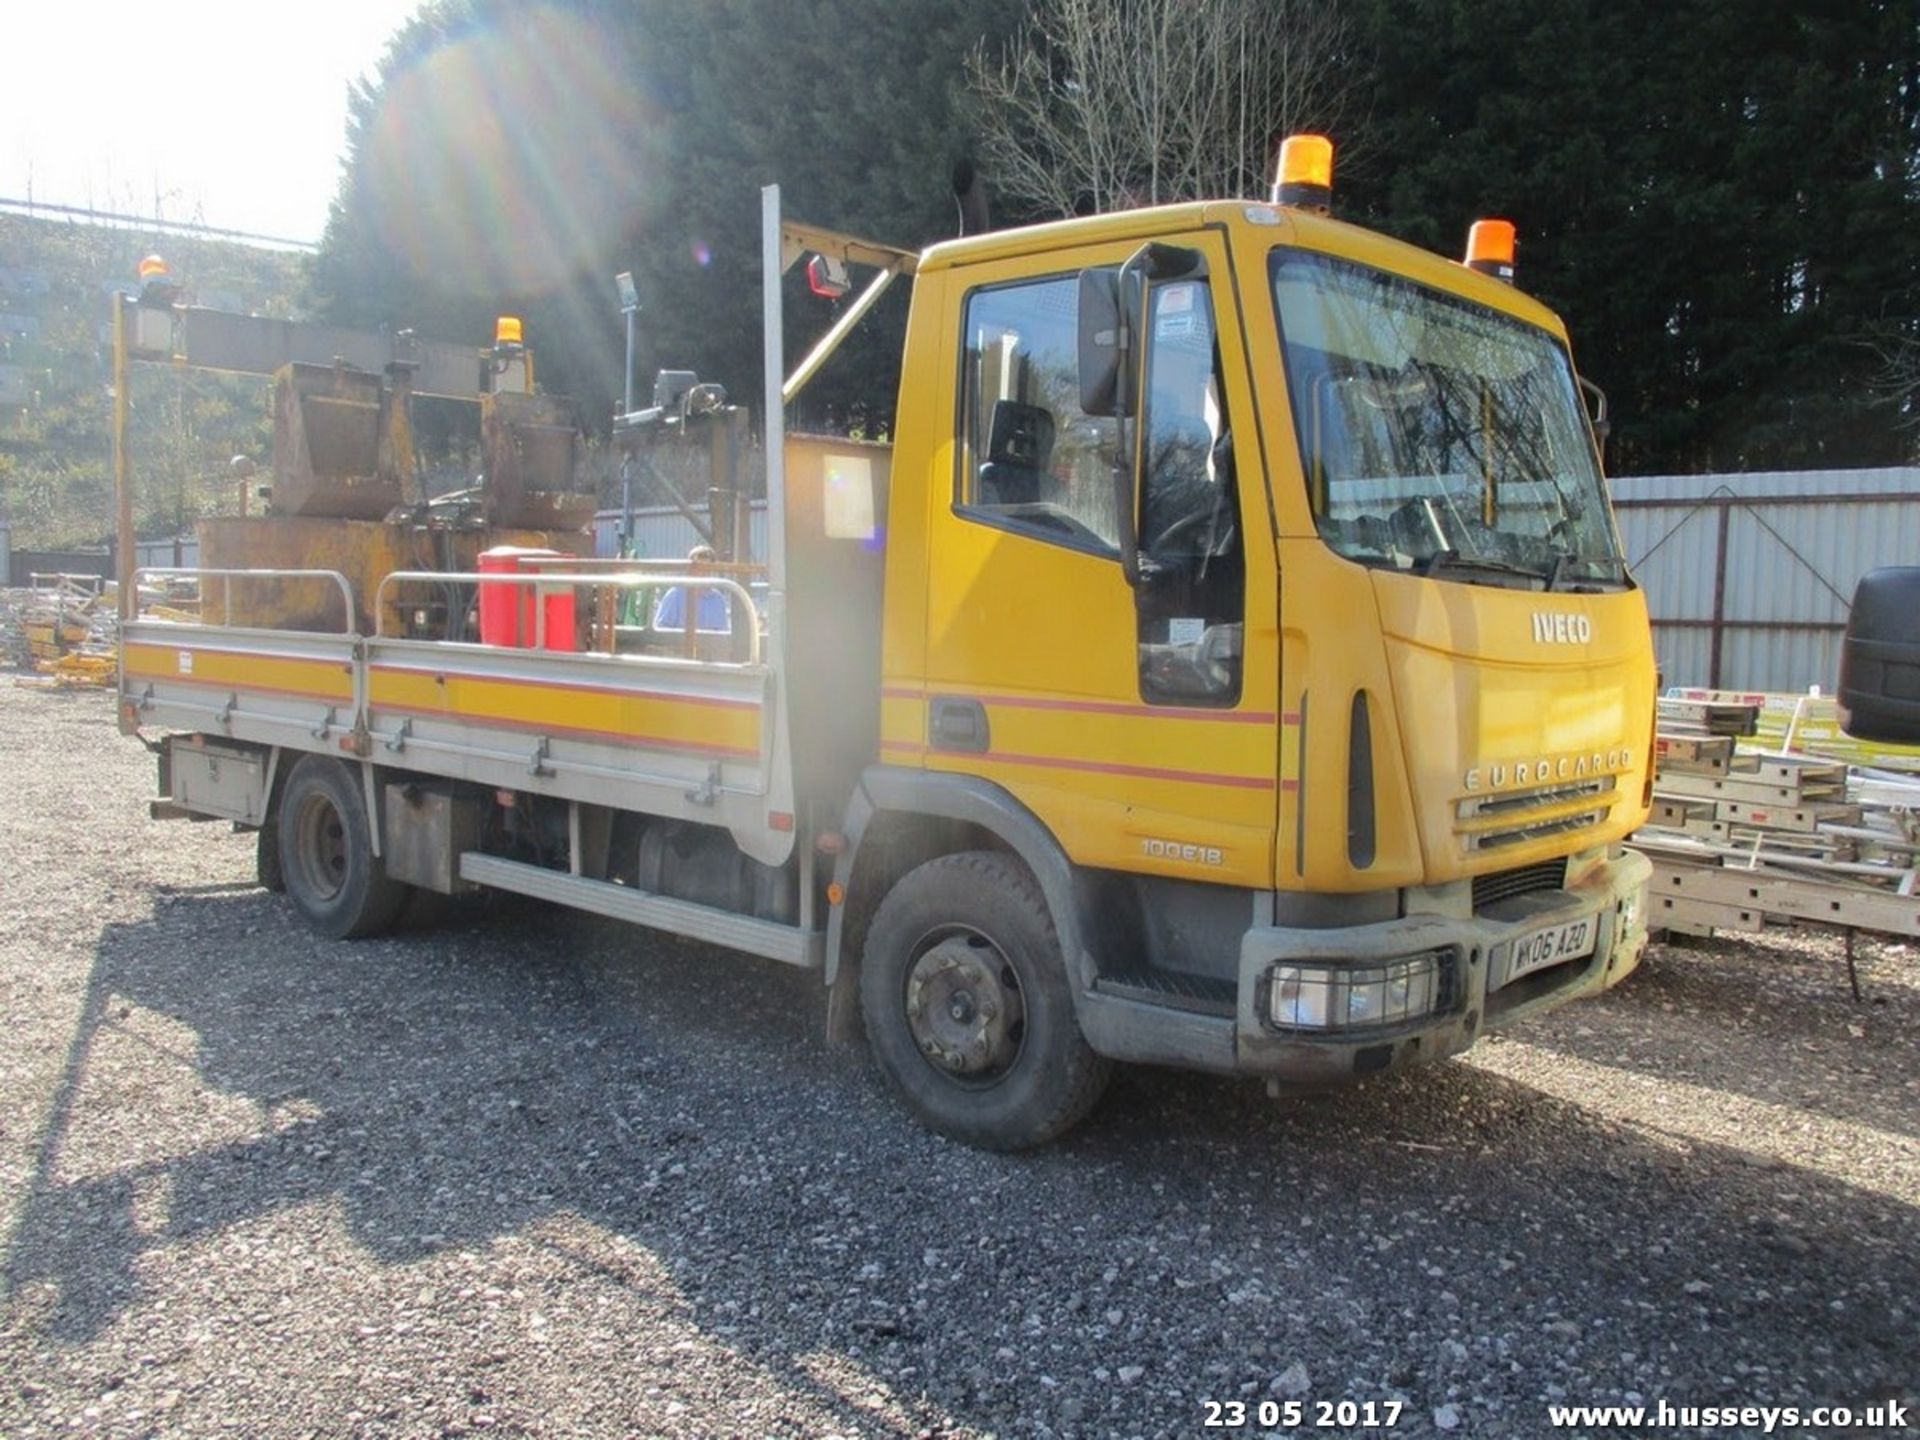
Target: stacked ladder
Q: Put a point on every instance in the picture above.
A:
(1741, 837)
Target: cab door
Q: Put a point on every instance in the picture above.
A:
(1138, 724)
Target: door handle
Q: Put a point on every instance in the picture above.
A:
(956, 722)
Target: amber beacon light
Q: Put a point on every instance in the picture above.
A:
(1305, 177)
(1490, 248)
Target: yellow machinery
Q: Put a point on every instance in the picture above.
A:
(344, 493)
(1231, 664)
(345, 499)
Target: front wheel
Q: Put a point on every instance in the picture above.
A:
(966, 1001)
(326, 854)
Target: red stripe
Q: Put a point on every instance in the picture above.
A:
(1103, 707)
(1289, 717)
(1290, 786)
(624, 692)
(1052, 762)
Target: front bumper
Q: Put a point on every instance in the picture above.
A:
(1478, 996)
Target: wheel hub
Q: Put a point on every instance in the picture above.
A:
(323, 849)
(964, 1007)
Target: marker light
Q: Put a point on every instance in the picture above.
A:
(153, 268)
(827, 277)
(1305, 177)
(507, 334)
(1490, 249)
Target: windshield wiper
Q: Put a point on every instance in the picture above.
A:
(1453, 560)
(1563, 558)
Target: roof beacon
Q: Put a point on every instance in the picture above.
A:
(1305, 179)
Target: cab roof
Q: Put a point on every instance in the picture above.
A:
(1246, 222)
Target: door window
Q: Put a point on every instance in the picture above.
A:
(1030, 458)
(1193, 571)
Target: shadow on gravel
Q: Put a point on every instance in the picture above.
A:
(449, 1089)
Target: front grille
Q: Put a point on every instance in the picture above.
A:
(1512, 817)
(1505, 884)
(1493, 839)
(1513, 802)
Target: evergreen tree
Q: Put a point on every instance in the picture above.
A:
(1719, 197)
(648, 154)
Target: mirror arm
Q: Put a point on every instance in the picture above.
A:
(1126, 471)
(1597, 418)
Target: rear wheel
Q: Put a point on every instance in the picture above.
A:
(326, 854)
(266, 859)
(967, 1005)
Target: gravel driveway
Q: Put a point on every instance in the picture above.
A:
(537, 1174)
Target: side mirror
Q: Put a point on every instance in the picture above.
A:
(1112, 303)
(1598, 415)
(1602, 426)
(1879, 696)
(1103, 341)
(1112, 361)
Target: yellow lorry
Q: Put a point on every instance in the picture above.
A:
(1231, 664)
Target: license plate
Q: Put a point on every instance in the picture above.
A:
(1541, 948)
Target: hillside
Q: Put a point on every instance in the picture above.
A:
(56, 461)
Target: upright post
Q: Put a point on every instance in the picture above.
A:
(626, 501)
(627, 408)
(123, 556)
(774, 340)
(779, 745)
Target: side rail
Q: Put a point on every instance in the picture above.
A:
(675, 736)
(226, 577)
(548, 585)
(260, 683)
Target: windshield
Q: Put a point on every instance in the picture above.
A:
(1438, 435)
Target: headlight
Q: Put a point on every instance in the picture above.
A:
(1358, 997)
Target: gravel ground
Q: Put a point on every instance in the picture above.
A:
(535, 1174)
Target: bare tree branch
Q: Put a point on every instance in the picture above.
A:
(1108, 104)
(1897, 382)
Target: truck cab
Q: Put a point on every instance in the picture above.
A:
(1311, 658)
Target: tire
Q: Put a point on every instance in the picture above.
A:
(326, 854)
(965, 997)
(266, 859)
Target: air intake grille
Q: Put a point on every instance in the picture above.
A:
(1512, 817)
(1505, 884)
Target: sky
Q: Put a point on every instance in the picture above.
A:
(231, 113)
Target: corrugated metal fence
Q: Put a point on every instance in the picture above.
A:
(1749, 577)
(181, 552)
(661, 532)
(17, 565)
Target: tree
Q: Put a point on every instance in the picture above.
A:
(649, 158)
(1720, 199)
(1105, 104)
(56, 479)
(1897, 348)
